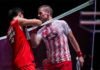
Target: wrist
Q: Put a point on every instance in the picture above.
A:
(79, 53)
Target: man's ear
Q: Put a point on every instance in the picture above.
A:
(48, 13)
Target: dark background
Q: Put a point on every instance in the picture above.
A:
(83, 37)
(30, 9)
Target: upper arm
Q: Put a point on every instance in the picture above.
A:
(66, 28)
(70, 35)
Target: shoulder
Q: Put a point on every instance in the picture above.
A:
(14, 21)
(19, 20)
(60, 22)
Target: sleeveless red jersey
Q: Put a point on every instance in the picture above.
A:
(22, 52)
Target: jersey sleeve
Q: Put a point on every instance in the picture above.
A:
(66, 27)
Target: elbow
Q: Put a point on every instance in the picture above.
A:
(34, 45)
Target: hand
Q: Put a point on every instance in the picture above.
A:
(81, 60)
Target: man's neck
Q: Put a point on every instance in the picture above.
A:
(49, 19)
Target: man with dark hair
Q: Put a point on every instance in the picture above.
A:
(22, 58)
(55, 36)
(13, 12)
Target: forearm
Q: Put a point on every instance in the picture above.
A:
(74, 42)
(33, 40)
(76, 46)
(29, 22)
(32, 22)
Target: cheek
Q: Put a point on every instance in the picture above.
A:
(45, 16)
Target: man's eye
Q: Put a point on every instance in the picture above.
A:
(40, 13)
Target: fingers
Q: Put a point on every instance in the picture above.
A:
(81, 59)
(81, 64)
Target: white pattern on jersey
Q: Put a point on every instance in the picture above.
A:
(55, 38)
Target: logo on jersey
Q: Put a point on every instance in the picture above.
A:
(51, 36)
(11, 34)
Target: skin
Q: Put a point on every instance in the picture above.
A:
(28, 22)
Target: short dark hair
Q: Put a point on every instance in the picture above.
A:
(47, 8)
(14, 12)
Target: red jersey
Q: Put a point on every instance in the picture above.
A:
(22, 52)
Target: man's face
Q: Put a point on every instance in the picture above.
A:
(43, 15)
(20, 15)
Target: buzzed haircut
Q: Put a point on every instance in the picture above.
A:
(47, 8)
